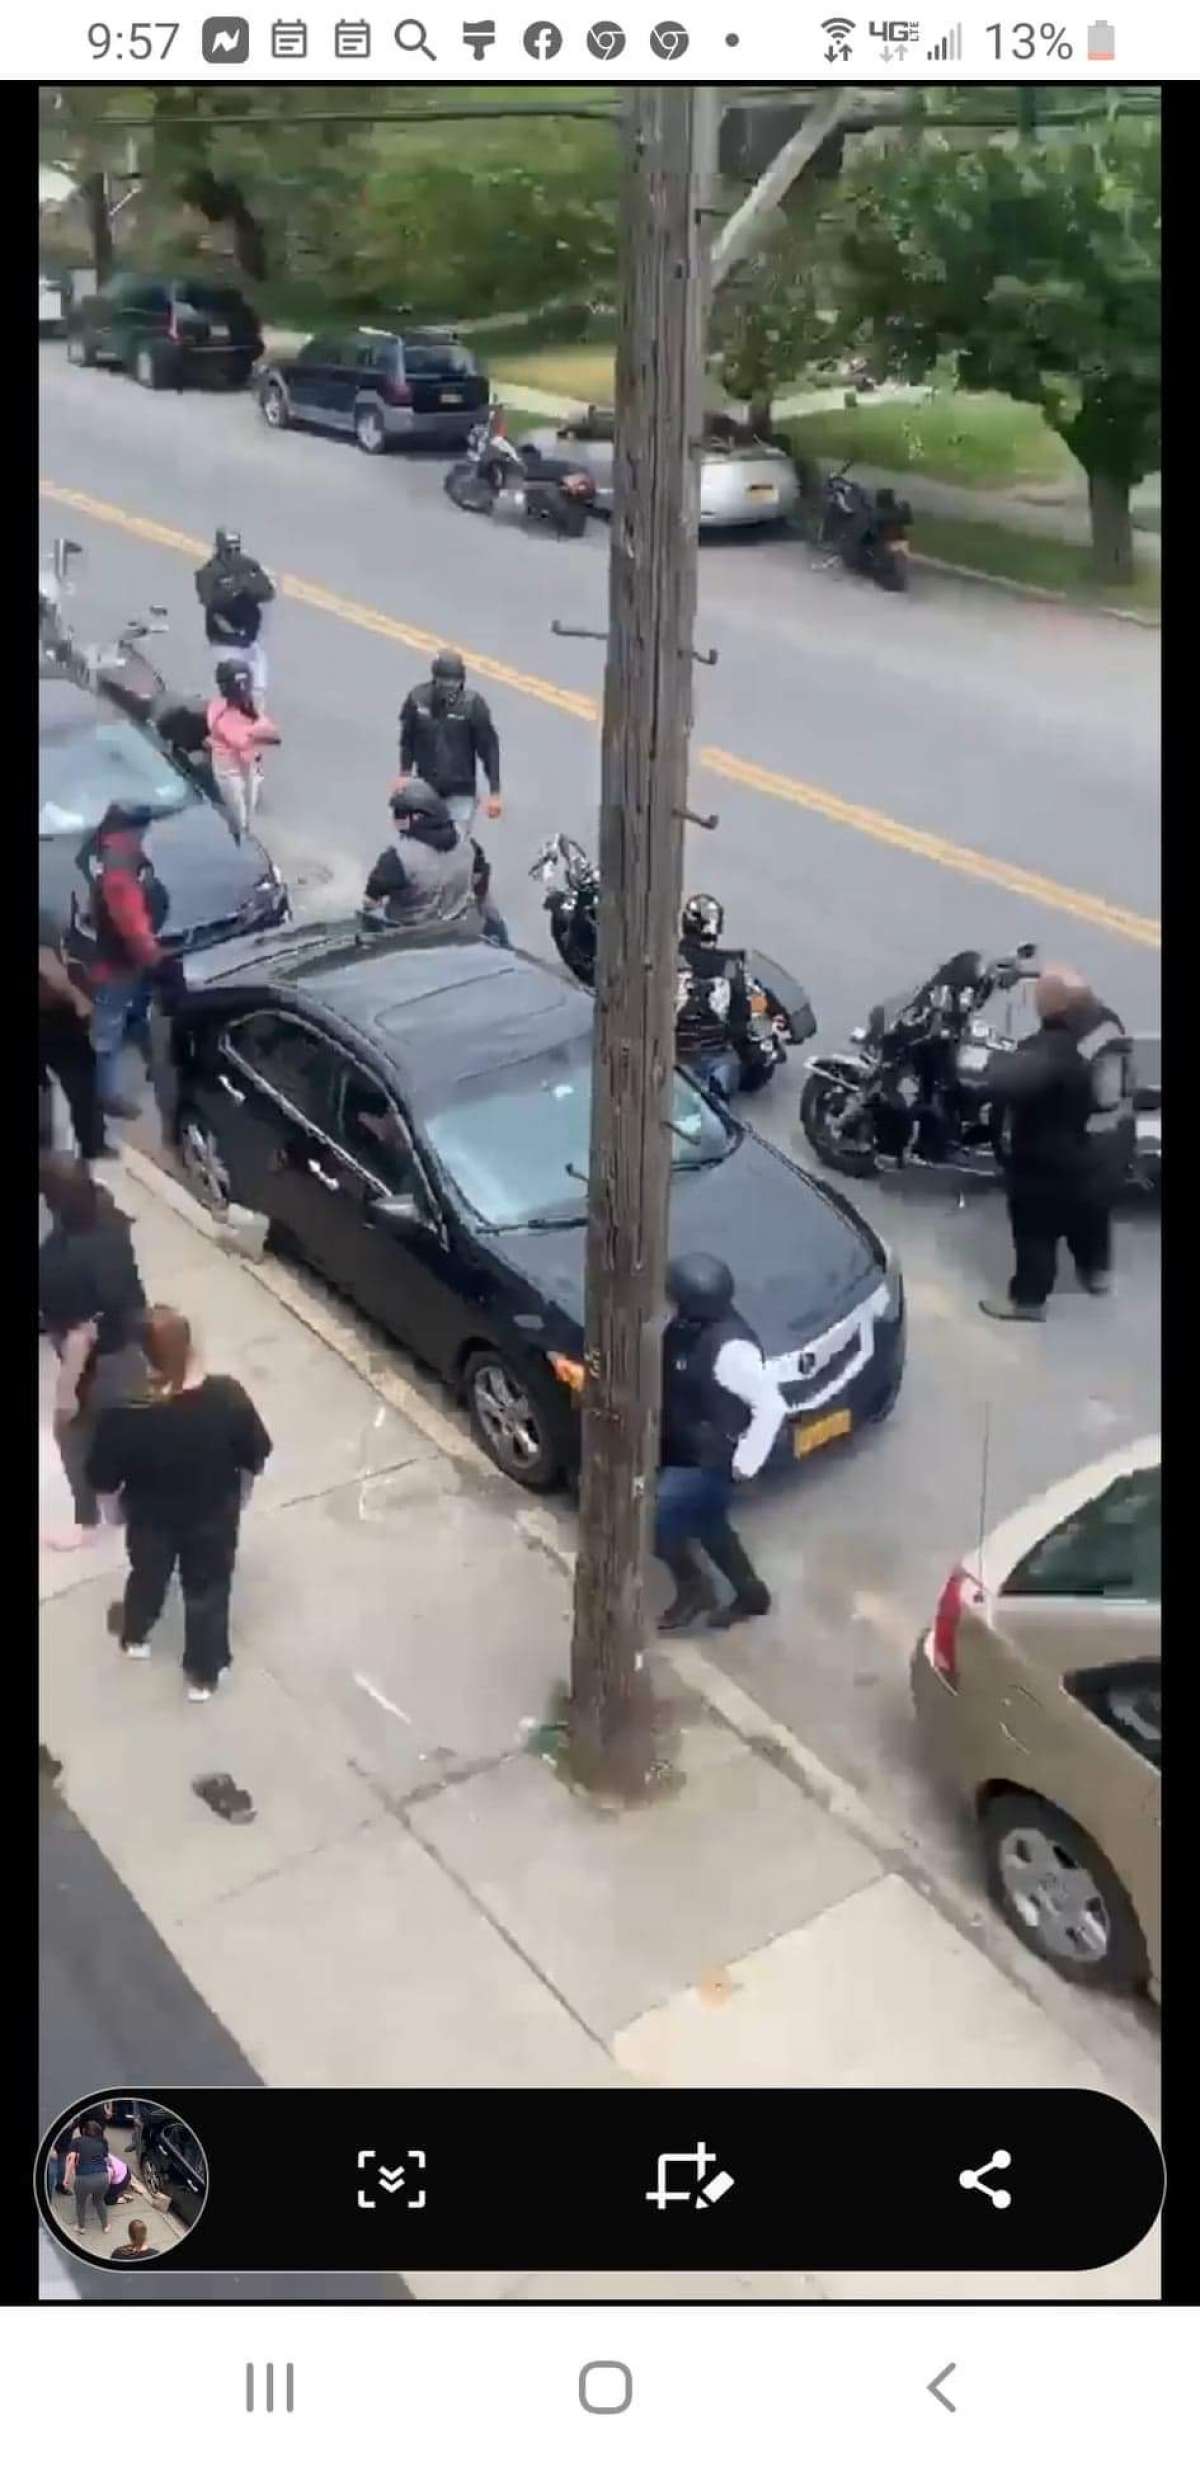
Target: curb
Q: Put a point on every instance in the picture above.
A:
(1036, 591)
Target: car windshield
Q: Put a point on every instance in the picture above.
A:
(85, 770)
(515, 1142)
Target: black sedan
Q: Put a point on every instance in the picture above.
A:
(415, 1122)
(219, 882)
(169, 2160)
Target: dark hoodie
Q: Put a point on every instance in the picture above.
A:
(1059, 1140)
(426, 877)
(447, 738)
(233, 591)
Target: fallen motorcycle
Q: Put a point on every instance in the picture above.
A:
(780, 1012)
(517, 485)
(915, 1090)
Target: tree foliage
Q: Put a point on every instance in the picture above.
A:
(1034, 265)
(769, 320)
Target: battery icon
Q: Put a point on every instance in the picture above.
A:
(1102, 42)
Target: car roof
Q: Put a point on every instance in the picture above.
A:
(1009, 1541)
(441, 1013)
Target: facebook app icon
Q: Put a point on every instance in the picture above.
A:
(542, 40)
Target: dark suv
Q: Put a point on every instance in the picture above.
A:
(169, 2159)
(164, 331)
(381, 389)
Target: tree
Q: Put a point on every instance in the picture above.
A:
(1035, 266)
(73, 131)
(767, 327)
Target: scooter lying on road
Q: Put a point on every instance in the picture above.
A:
(780, 1012)
(915, 1092)
(517, 485)
(866, 528)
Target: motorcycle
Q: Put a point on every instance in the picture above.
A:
(915, 1093)
(780, 1012)
(866, 528)
(517, 485)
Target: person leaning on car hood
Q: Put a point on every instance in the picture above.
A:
(427, 877)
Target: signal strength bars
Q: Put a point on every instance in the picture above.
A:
(950, 47)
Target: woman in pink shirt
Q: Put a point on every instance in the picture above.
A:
(237, 733)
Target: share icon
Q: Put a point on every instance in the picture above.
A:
(972, 2180)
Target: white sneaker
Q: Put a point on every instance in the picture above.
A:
(136, 1653)
(199, 1696)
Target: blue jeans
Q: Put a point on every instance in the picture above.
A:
(462, 814)
(691, 1501)
(113, 1005)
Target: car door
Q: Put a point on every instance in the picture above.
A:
(310, 379)
(376, 1226)
(341, 379)
(265, 1095)
(144, 314)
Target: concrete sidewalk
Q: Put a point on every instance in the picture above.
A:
(401, 1624)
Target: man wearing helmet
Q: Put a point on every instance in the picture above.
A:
(721, 1415)
(713, 999)
(447, 736)
(425, 880)
(233, 590)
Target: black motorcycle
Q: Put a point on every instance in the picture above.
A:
(517, 485)
(780, 1012)
(866, 528)
(915, 1091)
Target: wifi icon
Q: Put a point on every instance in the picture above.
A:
(839, 30)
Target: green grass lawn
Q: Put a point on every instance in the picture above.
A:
(1022, 556)
(583, 372)
(968, 440)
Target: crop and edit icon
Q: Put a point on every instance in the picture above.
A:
(542, 40)
(606, 41)
(352, 39)
(225, 41)
(1102, 42)
(839, 30)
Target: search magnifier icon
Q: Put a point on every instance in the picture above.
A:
(411, 36)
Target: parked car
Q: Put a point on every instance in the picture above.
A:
(743, 481)
(219, 882)
(414, 1121)
(166, 330)
(1039, 1690)
(169, 2159)
(382, 389)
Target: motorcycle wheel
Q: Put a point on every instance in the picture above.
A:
(460, 487)
(822, 1108)
(890, 571)
(757, 1071)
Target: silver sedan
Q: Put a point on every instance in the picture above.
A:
(741, 484)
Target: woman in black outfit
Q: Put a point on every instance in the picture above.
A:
(181, 1463)
(90, 2183)
(90, 1302)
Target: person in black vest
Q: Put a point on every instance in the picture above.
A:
(425, 879)
(447, 736)
(90, 1304)
(721, 1415)
(1069, 1093)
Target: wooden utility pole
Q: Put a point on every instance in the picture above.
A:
(647, 718)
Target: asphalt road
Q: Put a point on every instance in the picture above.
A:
(1010, 734)
(117, 2011)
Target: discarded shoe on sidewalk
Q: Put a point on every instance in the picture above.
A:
(220, 1792)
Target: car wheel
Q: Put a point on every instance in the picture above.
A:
(148, 367)
(273, 404)
(204, 1168)
(80, 352)
(511, 1421)
(152, 2176)
(369, 430)
(1059, 1894)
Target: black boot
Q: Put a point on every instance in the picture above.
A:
(693, 1593)
(751, 1599)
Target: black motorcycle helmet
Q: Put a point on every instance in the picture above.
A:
(228, 543)
(122, 816)
(418, 798)
(699, 1286)
(234, 677)
(703, 918)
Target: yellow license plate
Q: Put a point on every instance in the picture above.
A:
(818, 1434)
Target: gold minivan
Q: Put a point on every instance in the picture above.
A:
(1039, 1690)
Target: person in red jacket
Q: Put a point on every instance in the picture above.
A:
(115, 932)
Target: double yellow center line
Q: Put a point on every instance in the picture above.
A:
(1040, 889)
